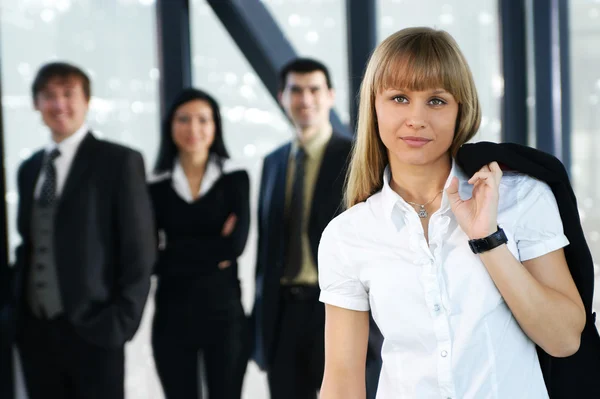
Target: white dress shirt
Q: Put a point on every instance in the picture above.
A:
(180, 182)
(68, 148)
(448, 332)
(212, 174)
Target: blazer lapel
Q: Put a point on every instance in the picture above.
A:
(80, 164)
(281, 182)
(331, 169)
(29, 190)
(278, 202)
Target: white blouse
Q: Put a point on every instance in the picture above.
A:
(447, 331)
(212, 173)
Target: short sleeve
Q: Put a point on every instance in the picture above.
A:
(539, 228)
(339, 282)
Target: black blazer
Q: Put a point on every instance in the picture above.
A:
(575, 376)
(104, 240)
(326, 204)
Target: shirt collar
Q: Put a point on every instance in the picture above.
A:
(316, 145)
(391, 198)
(180, 182)
(69, 145)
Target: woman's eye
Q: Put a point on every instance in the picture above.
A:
(400, 99)
(437, 101)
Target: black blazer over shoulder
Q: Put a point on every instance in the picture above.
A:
(326, 204)
(104, 241)
(574, 376)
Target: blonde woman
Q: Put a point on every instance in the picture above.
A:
(464, 275)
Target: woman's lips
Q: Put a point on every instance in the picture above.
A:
(415, 142)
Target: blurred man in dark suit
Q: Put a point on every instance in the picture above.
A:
(301, 191)
(88, 248)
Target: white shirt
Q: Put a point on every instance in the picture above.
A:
(68, 148)
(212, 174)
(448, 332)
(180, 182)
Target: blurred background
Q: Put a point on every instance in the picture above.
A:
(536, 64)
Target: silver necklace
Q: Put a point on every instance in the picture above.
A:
(422, 212)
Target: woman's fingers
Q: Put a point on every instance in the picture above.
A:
(229, 225)
(481, 176)
(489, 174)
(495, 169)
(224, 264)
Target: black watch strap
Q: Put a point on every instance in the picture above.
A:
(490, 242)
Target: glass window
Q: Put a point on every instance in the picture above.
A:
(318, 30)
(114, 41)
(475, 27)
(253, 122)
(584, 29)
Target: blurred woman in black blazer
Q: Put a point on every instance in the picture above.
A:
(202, 213)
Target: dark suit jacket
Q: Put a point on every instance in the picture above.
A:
(326, 204)
(104, 240)
(575, 376)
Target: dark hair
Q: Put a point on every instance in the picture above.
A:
(168, 150)
(303, 65)
(60, 70)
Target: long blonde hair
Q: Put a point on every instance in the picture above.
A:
(412, 59)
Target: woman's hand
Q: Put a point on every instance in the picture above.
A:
(478, 216)
(228, 228)
(229, 225)
(224, 264)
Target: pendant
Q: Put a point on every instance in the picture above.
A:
(422, 212)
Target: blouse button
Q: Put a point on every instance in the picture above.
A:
(444, 353)
(436, 307)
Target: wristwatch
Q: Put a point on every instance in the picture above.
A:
(490, 242)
